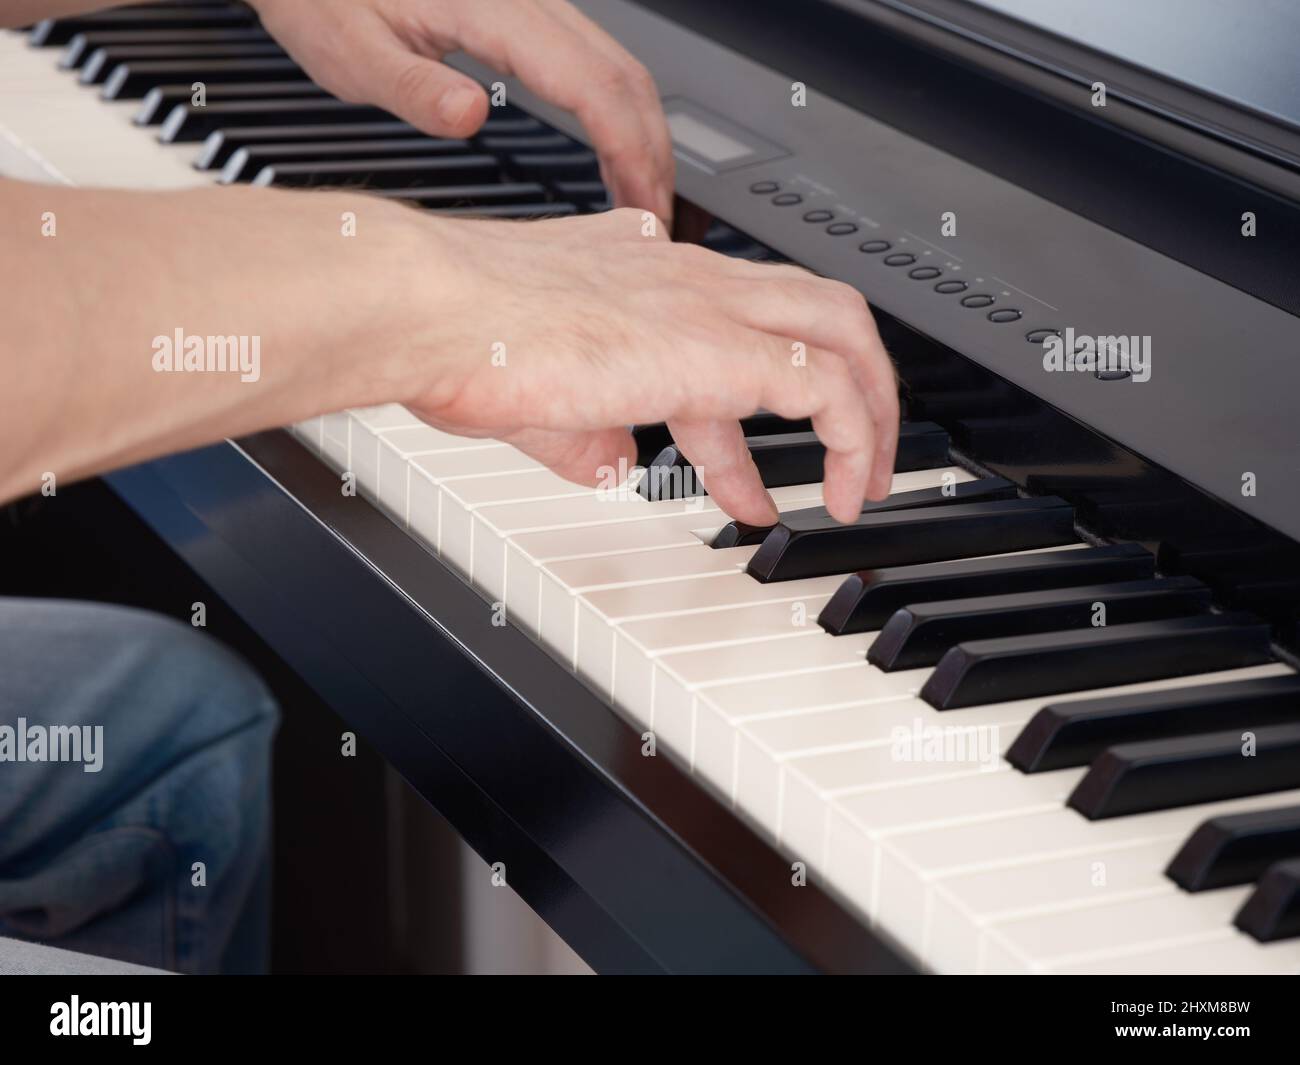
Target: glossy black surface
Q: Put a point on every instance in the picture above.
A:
(867, 599)
(1134, 778)
(1273, 910)
(905, 537)
(453, 168)
(1236, 849)
(191, 123)
(1018, 667)
(816, 521)
(131, 81)
(1074, 733)
(921, 633)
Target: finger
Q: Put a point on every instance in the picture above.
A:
(600, 457)
(654, 122)
(608, 91)
(725, 467)
(835, 317)
(430, 95)
(817, 384)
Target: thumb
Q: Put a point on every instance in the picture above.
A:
(430, 95)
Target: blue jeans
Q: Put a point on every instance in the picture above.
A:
(137, 824)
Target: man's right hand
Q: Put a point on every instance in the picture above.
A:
(596, 325)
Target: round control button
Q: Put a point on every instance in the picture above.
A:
(900, 258)
(787, 199)
(1004, 314)
(819, 215)
(924, 273)
(979, 299)
(1113, 375)
(841, 229)
(949, 287)
(1037, 336)
(874, 247)
(762, 188)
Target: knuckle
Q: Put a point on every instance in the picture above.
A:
(640, 78)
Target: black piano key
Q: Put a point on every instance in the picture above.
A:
(1022, 667)
(540, 141)
(1074, 733)
(1236, 849)
(383, 173)
(921, 446)
(738, 534)
(56, 31)
(554, 166)
(653, 437)
(1136, 778)
(102, 62)
(866, 600)
(131, 81)
(245, 163)
(221, 144)
(162, 101)
(1272, 912)
(785, 459)
(920, 634)
(471, 197)
(510, 210)
(796, 549)
(790, 458)
(506, 126)
(189, 123)
(84, 45)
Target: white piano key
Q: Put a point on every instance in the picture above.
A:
(59, 132)
(637, 644)
(369, 424)
(460, 534)
(564, 583)
(526, 553)
(309, 432)
(336, 440)
(1163, 919)
(397, 449)
(1231, 953)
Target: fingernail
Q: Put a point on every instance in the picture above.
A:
(455, 105)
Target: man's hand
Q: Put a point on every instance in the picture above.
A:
(547, 334)
(389, 52)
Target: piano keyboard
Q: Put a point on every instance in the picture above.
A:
(1009, 747)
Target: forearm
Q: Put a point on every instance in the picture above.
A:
(94, 375)
(21, 12)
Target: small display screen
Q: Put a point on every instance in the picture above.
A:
(703, 140)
